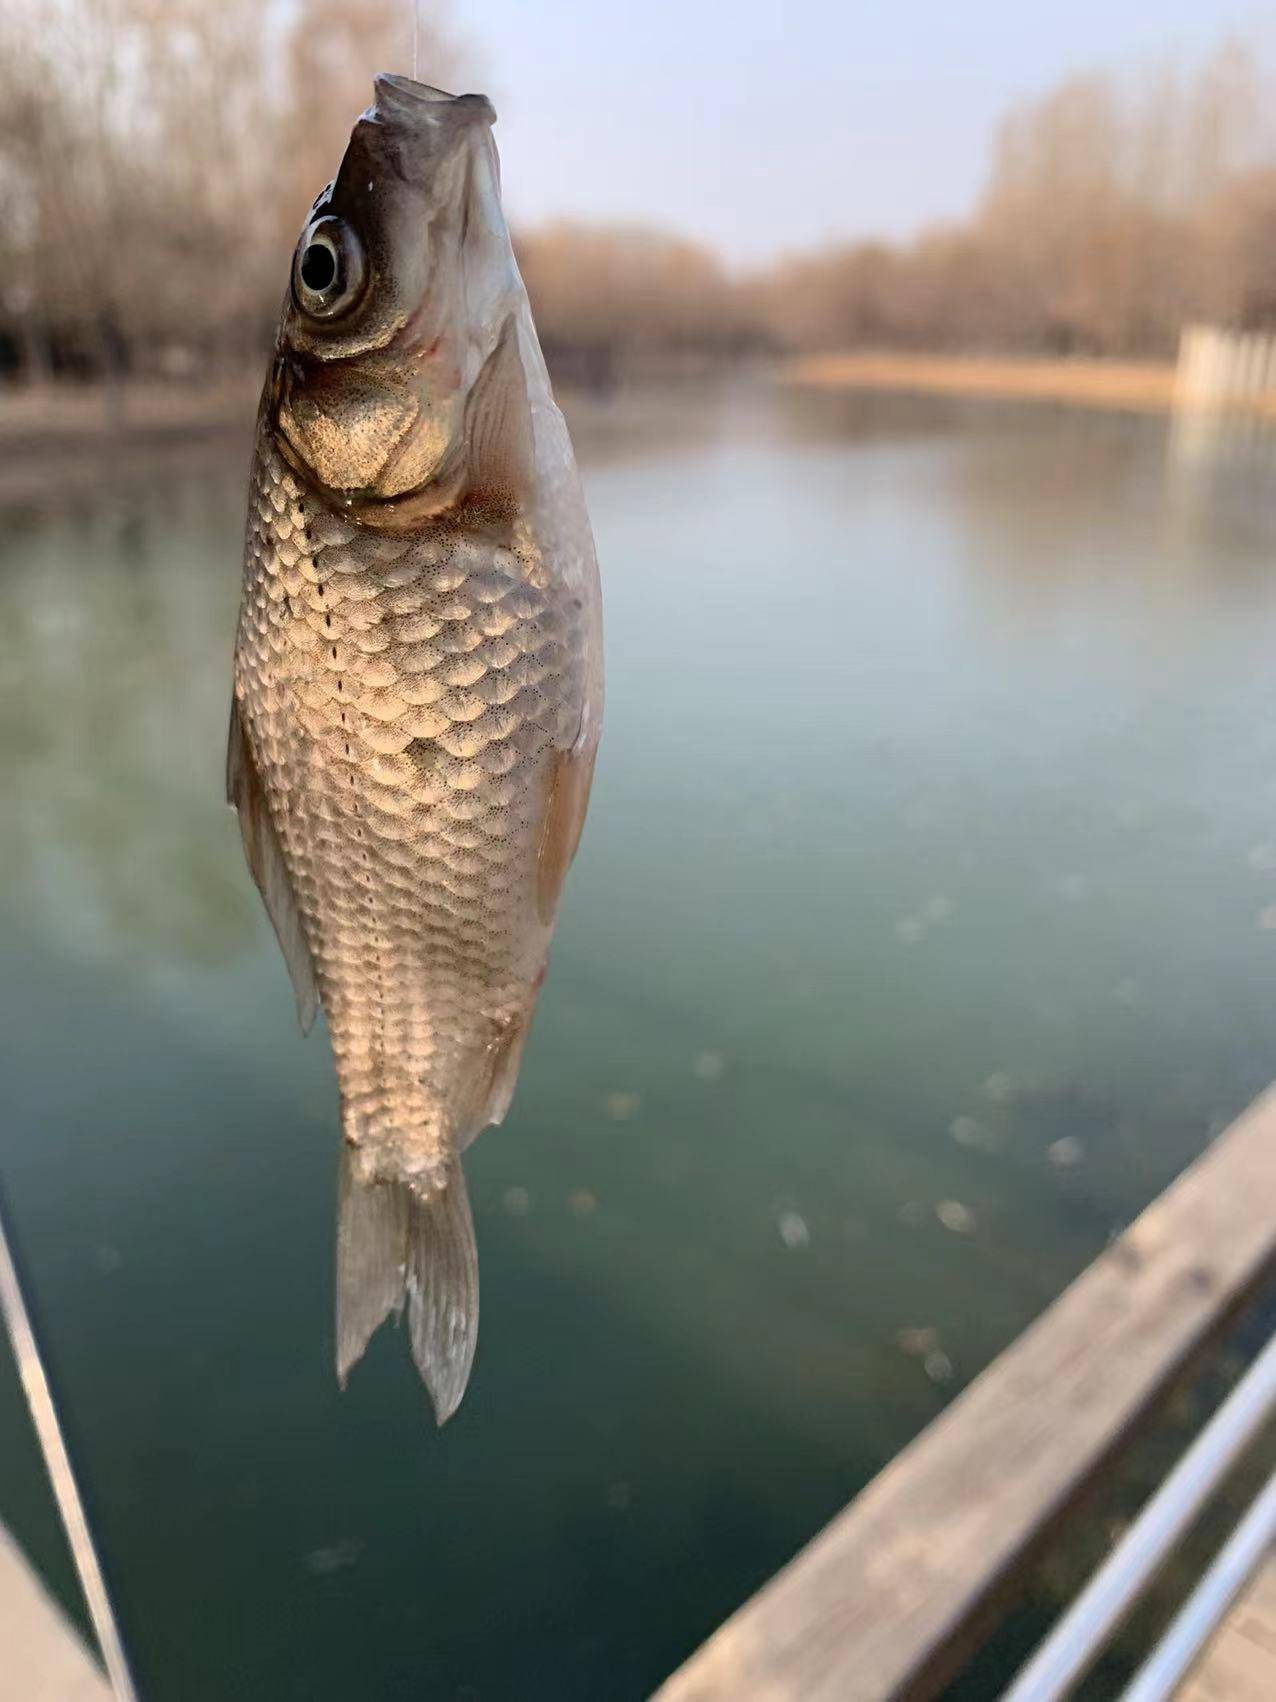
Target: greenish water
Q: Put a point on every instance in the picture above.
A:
(922, 931)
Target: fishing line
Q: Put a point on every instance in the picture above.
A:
(57, 1462)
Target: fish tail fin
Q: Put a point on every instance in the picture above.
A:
(396, 1247)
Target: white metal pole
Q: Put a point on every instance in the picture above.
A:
(1075, 1641)
(58, 1463)
(1237, 1561)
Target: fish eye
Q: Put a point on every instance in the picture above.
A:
(327, 269)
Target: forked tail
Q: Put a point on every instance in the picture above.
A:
(395, 1247)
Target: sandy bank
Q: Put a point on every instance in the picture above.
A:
(1141, 386)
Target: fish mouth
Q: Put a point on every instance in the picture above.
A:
(400, 100)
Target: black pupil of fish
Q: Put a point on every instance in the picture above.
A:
(318, 267)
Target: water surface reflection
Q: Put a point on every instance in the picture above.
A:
(924, 928)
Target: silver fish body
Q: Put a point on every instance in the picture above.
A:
(418, 692)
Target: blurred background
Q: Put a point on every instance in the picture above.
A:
(922, 371)
(791, 187)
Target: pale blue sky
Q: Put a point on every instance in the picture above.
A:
(763, 126)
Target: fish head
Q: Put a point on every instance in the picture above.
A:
(403, 283)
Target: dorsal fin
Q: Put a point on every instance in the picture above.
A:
(567, 798)
(266, 864)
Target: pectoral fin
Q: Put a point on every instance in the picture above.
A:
(498, 426)
(266, 864)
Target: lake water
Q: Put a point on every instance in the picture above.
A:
(924, 928)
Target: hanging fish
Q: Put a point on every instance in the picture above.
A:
(418, 689)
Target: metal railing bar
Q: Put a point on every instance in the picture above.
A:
(1237, 1561)
(1106, 1600)
(57, 1461)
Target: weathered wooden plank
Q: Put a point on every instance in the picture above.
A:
(882, 1603)
(43, 1658)
(1240, 1663)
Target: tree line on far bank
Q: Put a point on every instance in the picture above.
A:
(144, 236)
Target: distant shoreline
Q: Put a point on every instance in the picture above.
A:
(58, 441)
(38, 416)
(64, 439)
(1131, 386)
(69, 434)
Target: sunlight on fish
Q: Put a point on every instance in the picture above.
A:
(418, 689)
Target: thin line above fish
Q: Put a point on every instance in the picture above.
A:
(418, 689)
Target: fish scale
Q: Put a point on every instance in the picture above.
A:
(410, 827)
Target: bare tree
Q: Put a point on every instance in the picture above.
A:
(606, 297)
(160, 155)
(157, 158)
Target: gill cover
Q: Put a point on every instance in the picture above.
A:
(398, 386)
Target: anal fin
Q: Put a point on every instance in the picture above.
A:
(496, 1076)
